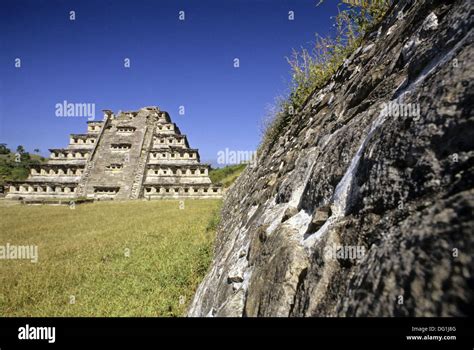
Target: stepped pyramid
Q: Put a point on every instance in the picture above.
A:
(137, 154)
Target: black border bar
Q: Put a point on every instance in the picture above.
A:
(356, 331)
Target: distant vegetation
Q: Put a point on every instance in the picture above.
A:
(311, 69)
(226, 175)
(130, 258)
(15, 165)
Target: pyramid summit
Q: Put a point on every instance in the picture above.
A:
(131, 155)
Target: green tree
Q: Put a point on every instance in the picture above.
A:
(19, 173)
(4, 149)
(25, 157)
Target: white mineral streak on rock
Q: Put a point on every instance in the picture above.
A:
(410, 47)
(379, 32)
(299, 223)
(308, 241)
(211, 313)
(251, 211)
(367, 48)
(343, 188)
(330, 86)
(245, 282)
(436, 63)
(431, 22)
(229, 257)
(391, 29)
(319, 97)
(356, 52)
(273, 217)
(342, 192)
(356, 71)
(331, 99)
(236, 273)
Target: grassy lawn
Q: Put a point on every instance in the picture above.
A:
(139, 258)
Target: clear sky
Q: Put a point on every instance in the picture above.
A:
(173, 63)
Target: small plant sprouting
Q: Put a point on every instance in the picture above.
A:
(311, 69)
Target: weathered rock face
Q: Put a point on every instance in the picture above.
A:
(364, 204)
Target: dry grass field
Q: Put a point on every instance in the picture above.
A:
(136, 258)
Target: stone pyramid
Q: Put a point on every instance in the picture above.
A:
(132, 155)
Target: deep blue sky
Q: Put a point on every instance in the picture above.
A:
(173, 63)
